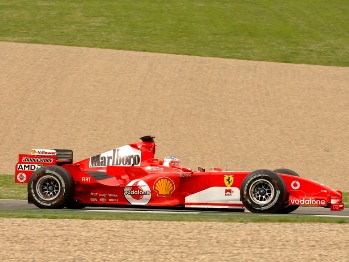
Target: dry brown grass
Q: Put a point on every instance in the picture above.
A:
(242, 115)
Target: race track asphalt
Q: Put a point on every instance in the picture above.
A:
(314, 211)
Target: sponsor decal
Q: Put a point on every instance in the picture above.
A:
(94, 194)
(37, 160)
(295, 185)
(185, 175)
(21, 177)
(102, 200)
(43, 152)
(216, 196)
(123, 156)
(94, 199)
(112, 195)
(28, 167)
(164, 186)
(137, 192)
(228, 192)
(155, 168)
(228, 180)
(113, 200)
(102, 195)
(308, 201)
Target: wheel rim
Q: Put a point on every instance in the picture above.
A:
(262, 192)
(48, 187)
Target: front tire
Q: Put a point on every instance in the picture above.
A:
(263, 191)
(51, 187)
(287, 208)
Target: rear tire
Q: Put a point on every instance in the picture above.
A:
(50, 187)
(263, 191)
(288, 208)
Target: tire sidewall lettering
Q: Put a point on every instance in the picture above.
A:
(248, 182)
(62, 185)
(275, 199)
(276, 182)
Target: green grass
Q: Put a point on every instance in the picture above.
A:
(10, 190)
(200, 217)
(310, 32)
(346, 199)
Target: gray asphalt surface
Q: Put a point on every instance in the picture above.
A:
(315, 211)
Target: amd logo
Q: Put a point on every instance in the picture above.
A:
(28, 167)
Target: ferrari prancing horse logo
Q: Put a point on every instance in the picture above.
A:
(228, 180)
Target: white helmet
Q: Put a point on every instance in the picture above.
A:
(172, 161)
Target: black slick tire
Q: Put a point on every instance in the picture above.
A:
(50, 187)
(263, 191)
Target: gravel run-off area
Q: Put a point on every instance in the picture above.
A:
(101, 240)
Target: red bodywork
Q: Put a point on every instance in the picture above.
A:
(130, 175)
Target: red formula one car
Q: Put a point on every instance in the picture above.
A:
(131, 175)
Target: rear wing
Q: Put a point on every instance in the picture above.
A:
(28, 163)
(135, 154)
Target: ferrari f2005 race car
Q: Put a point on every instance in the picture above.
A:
(131, 175)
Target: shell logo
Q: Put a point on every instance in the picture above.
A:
(164, 186)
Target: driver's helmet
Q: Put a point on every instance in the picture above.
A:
(172, 161)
